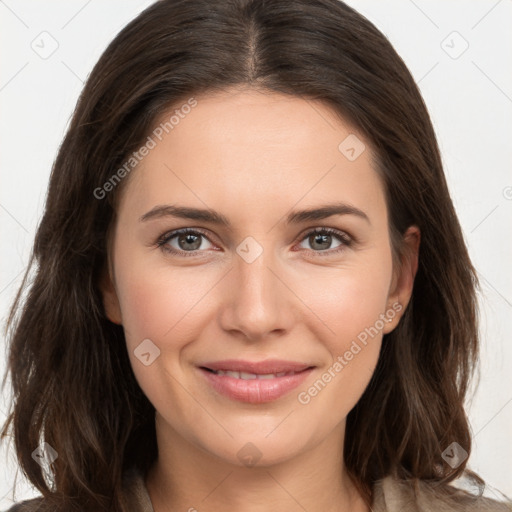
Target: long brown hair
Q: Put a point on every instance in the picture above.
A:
(73, 385)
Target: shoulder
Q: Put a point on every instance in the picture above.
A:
(31, 505)
(390, 494)
(135, 496)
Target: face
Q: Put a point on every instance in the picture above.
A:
(258, 282)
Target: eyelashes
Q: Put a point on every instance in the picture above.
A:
(164, 240)
(316, 236)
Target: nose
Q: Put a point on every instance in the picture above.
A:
(258, 303)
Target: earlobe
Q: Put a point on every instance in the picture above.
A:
(403, 278)
(110, 299)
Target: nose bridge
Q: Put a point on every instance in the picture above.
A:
(255, 280)
(258, 299)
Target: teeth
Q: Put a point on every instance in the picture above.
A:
(247, 376)
(251, 376)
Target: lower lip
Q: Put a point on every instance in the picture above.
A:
(255, 391)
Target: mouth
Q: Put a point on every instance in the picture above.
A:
(255, 382)
(250, 376)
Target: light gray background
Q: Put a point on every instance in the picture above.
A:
(469, 96)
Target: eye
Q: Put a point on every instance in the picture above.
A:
(188, 242)
(320, 240)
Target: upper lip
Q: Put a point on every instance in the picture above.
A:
(256, 367)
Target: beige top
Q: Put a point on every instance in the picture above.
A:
(390, 495)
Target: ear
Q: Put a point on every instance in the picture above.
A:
(110, 299)
(403, 277)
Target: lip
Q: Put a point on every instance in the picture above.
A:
(255, 391)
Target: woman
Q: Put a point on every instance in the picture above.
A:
(312, 349)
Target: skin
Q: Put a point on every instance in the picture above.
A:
(254, 157)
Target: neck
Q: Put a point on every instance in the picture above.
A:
(187, 478)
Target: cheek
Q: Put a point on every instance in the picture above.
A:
(350, 304)
(162, 305)
(156, 299)
(348, 300)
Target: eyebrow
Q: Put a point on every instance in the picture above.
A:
(209, 215)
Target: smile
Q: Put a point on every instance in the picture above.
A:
(255, 388)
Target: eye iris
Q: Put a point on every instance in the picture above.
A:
(319, 239)
(189, 242)
(189, 238)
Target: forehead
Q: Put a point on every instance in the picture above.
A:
(255, 150)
